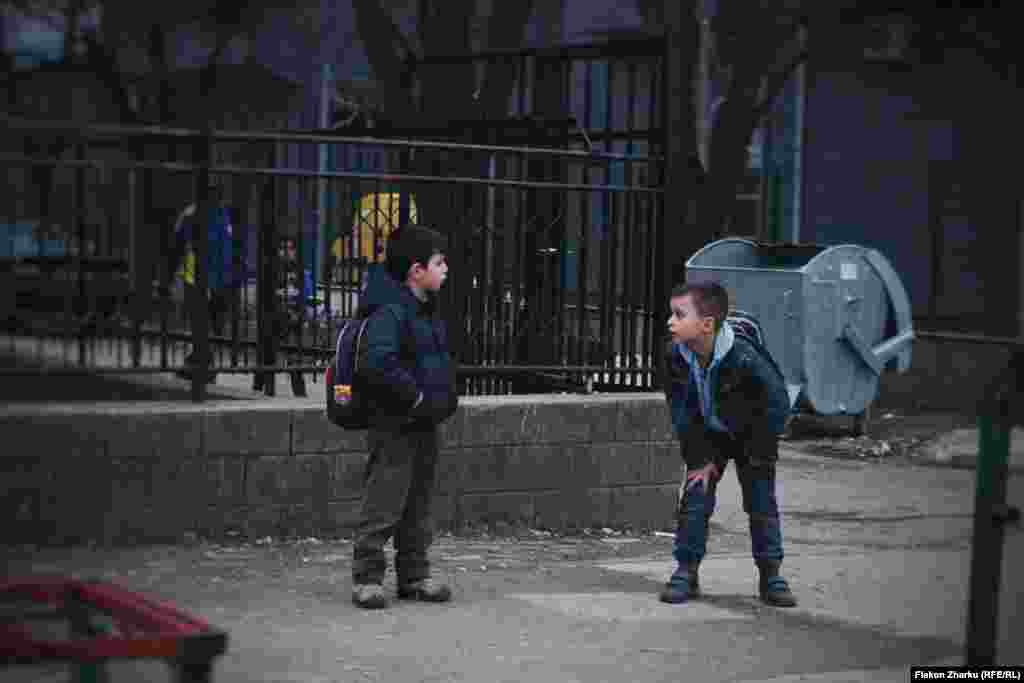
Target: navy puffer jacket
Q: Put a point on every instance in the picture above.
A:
(404, 354)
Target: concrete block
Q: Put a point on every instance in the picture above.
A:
(573, 510)
(495, 423)
(176, 479)
(607, 464)
(130, 488)
(313, 433)
(247, 432)
(178, 490)
(506, 468)
(492, 424)
(451, 430)
(482, 468)
(643, 507)
(573, 422)
(585, 422)
(342, 516)
(21, 499)
(559, 511)
(490, 508)
(65, 436)
(661, 419)
(84, 497)
(228, 474)
(241, 521)
(287, 480)
(347, 475)
(157, 435)
(298, 521)
(666, 463)
(217, 521)
(151, 525)
(635, 420)
(594, 508)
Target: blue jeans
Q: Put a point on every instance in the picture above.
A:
(757, 482)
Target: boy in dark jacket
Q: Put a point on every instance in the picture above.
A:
(408, 378)
(728, 401)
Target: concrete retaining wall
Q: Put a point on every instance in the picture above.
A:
(128, 473)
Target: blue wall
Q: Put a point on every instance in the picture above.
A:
(867, 166)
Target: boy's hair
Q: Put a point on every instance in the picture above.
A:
(709, 298)
(412, 244)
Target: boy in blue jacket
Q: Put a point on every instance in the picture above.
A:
(408, 377)
(728, 401)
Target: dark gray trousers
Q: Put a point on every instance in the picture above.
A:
(398, 494)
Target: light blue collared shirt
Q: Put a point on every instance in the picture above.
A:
(705, 379)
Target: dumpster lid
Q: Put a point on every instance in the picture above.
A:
(737, 252)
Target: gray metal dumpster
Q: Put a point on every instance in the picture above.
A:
(833, 317)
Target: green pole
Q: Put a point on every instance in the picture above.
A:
(994, 426)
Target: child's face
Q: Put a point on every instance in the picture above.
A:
(686, 324)
(433, 276)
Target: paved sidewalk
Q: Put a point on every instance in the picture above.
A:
(539, 610)
(878, 553)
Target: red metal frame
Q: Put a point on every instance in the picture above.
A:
(148, 628)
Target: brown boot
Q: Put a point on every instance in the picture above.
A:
(682, 586)
(773, 588)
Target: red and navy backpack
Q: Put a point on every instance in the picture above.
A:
(345, 407)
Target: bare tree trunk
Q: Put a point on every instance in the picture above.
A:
(747, 33)
(682, 233)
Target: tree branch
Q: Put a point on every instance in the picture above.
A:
(379, 35)
(505, 29)
(775, 82)
(104, 63)
(158, 57)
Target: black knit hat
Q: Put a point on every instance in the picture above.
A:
(412, 244)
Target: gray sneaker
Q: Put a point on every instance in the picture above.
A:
(369, 596)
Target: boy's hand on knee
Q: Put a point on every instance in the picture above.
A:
(705, 476)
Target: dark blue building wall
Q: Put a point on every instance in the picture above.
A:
(919, 163)
(869, 147)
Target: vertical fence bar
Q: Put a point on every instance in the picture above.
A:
(200, 309)
(587, 220)
(562, 283)
(650, 252)
(608, 229)
(141, 288)
(69, 282)
(517, 302)
(629, 234)
(237, 216)
(483, 273)
(266, 284)
(991, 513)
(78, 220)
(613, 355)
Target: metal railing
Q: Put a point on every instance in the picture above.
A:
(553, 253)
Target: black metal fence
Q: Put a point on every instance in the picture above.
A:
(552, 253)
